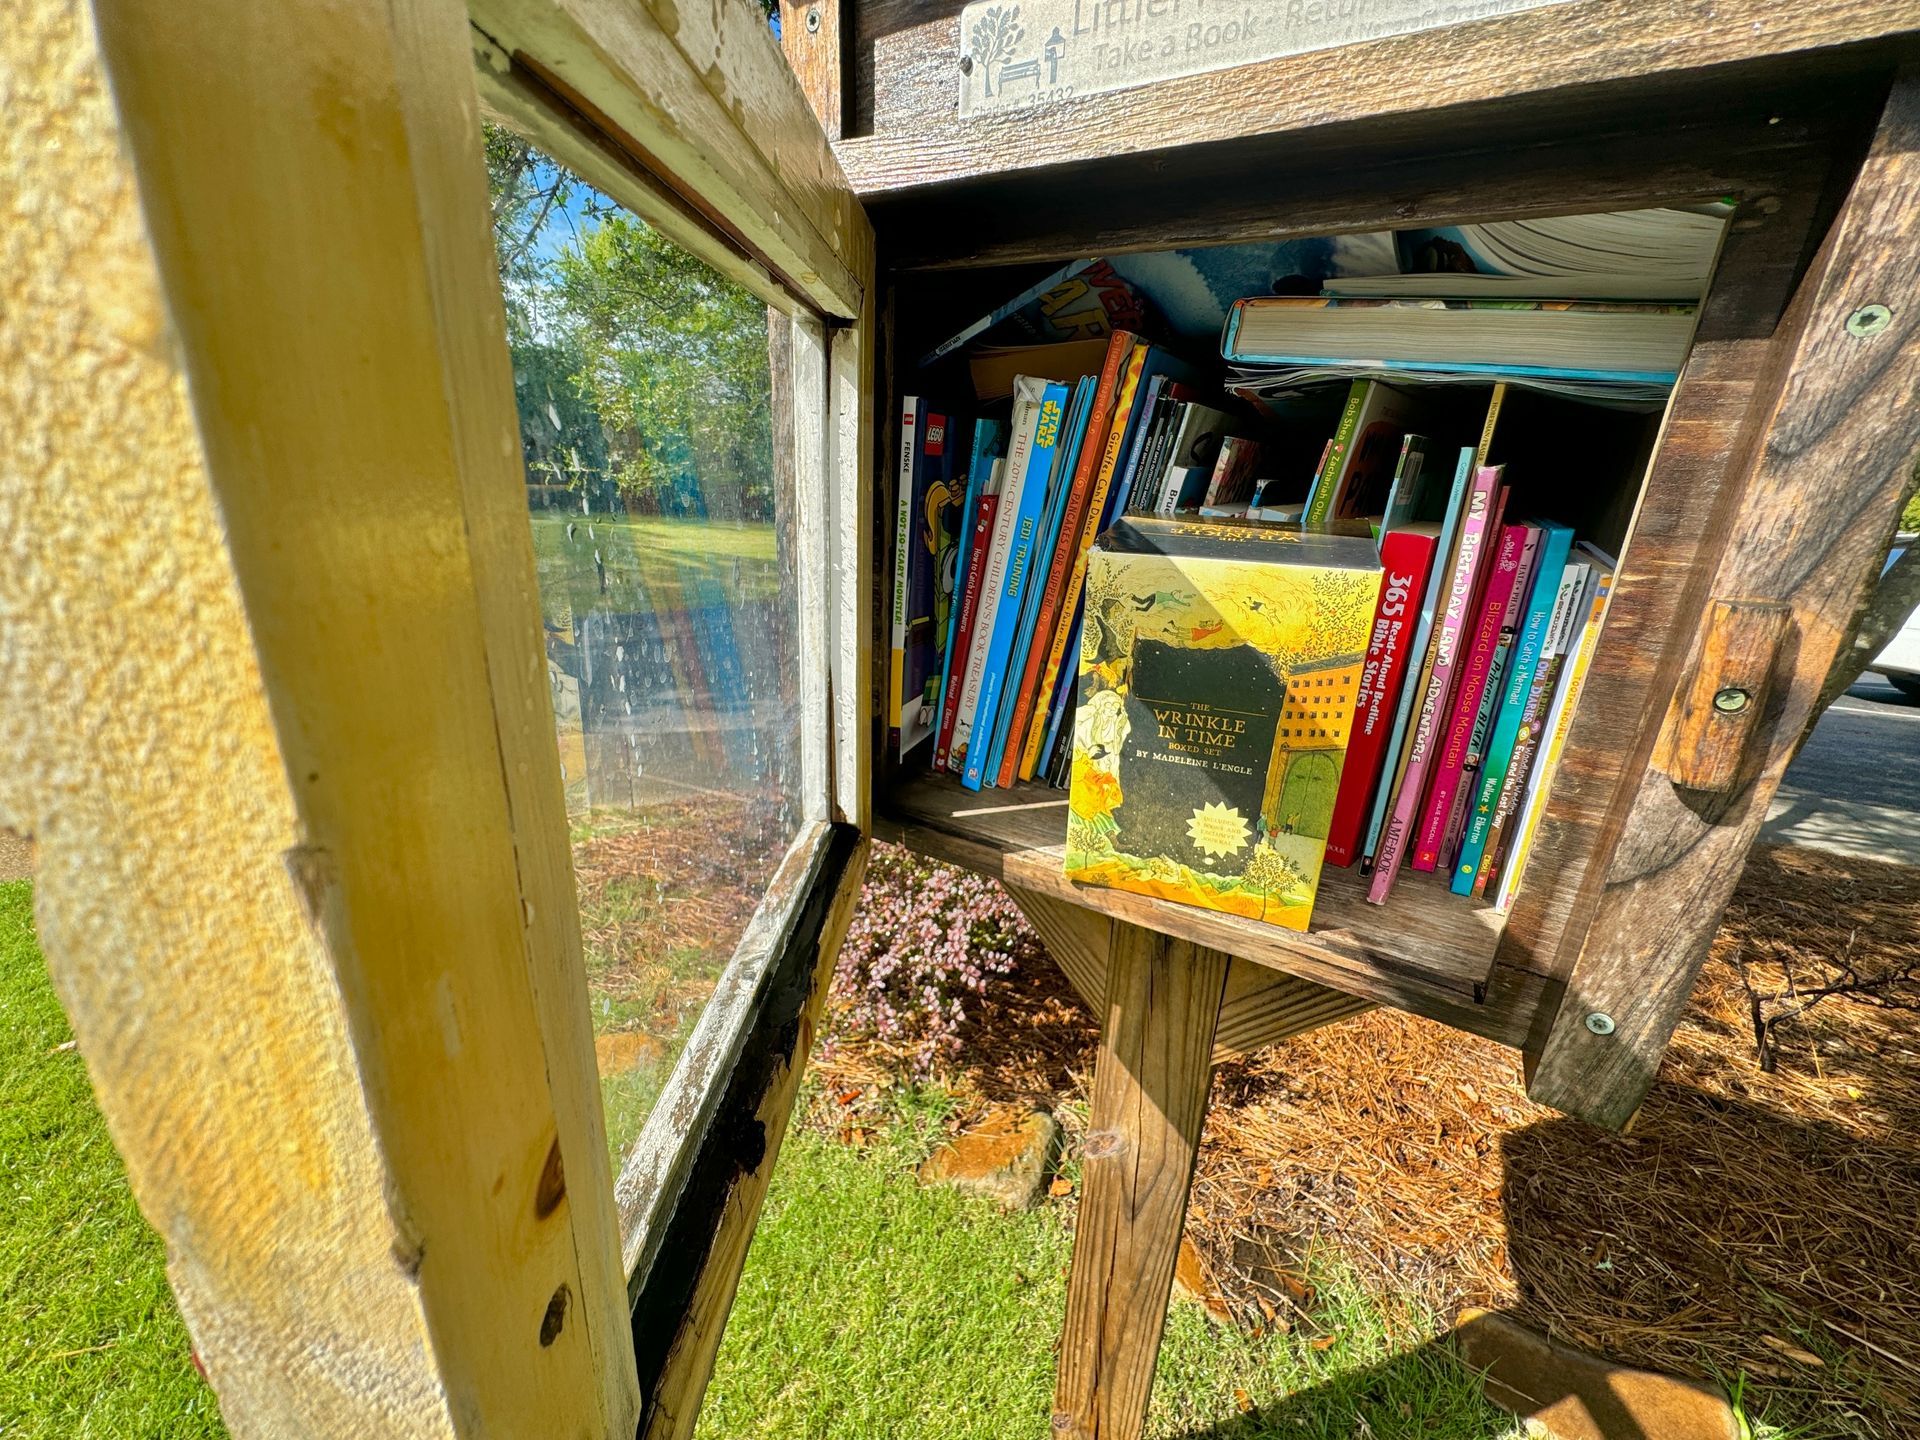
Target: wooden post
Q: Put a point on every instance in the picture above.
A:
(1827, 455)
(1149, 1099)
(812, 36)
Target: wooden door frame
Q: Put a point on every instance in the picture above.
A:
(276, 712)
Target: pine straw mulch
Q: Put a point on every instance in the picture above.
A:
(1765, 1222)
(676, 876)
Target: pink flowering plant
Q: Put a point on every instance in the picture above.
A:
(925, 938)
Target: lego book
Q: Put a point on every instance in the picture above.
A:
(1218, 671)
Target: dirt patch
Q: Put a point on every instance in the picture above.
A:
(16, 856)
(1766, 1222)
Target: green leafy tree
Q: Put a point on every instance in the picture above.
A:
(639, 372)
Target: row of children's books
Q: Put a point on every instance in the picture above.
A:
(1486, 622)
(991, 549)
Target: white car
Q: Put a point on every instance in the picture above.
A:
(1900, 660)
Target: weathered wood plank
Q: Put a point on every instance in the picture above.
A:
(1718, 710)
(1424, 932)
(1515, 66)
(516, 98)
(1826, 456)
(1504, 1012)
(702, 100)
(814, 37)
(1260, 1006)
(1707, 147)
(1676, 533)
(300, 889)
(682, 1298)
(852, 597)
(1149, 1099)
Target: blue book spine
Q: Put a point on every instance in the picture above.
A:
(1013, 588)
(1422, 636)
(1554, 549)
(1047, 538)
(979, 466)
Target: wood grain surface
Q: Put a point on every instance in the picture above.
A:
(274, 709)
(1718, 712)
(814, 36)
(1822, 460)
(1259, 1007)
(1149, 1099)
(1514, 67)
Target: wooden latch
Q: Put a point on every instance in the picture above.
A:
(1717, 711)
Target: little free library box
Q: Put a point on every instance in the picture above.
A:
(1583, 333)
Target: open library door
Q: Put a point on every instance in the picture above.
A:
(442, 706)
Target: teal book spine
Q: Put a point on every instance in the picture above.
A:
(1023, 544)
(1554, 549)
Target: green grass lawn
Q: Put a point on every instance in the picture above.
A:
(869, 1308)
(90, 1344)
(650, 562)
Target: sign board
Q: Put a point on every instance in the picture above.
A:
(1019, 53)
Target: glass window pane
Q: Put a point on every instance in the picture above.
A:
(662, 533)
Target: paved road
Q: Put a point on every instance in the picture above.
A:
(1855, 789)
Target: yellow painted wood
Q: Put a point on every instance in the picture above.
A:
(272, 702)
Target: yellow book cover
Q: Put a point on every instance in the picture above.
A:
(1218, 672)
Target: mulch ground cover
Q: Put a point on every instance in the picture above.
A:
(1760, 1215)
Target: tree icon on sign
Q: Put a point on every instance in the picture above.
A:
(994, 35)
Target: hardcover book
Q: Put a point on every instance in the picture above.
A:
(1407, 555)
(1218, 668)
(1009, 566)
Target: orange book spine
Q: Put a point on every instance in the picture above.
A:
(1092, 450)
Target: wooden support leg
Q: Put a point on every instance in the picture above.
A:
(1149, 1098)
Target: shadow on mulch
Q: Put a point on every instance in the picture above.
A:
(1749, 1221)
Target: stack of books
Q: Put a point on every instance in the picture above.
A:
(1485, 625)
(1481, 417)
(987, 672)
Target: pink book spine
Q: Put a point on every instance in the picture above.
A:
(1462, 581)
(1490, 615)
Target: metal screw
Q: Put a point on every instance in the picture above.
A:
(966, 64)
(1600, 1023)
(1868, 320)
(1732, 700)
(813, 21)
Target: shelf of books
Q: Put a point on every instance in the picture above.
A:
(1249, 592)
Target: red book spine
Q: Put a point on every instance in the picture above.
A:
(1495, 602)
(969, 602)
(1060, 564)
(1407, 557)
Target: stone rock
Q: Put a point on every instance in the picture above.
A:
(626, 1050)
(1004, 1157)
(1193, 1281)
(1577, 1396)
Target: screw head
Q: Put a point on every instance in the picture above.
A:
(1732, 700)
(966, 64)
(813, 21)
(1868, 320)
(1600, 1023)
